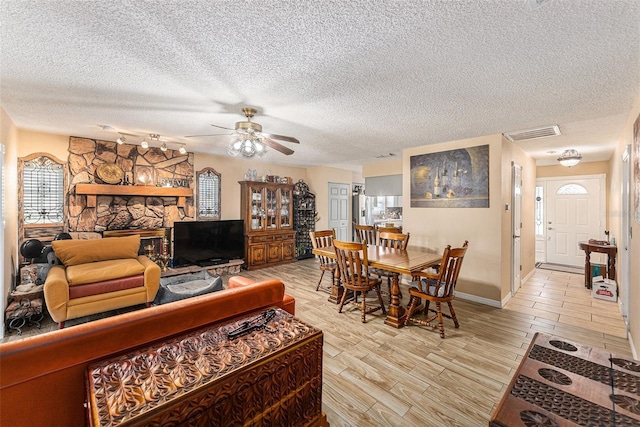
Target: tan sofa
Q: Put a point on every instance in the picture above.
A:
(43, 377)
(99, 275)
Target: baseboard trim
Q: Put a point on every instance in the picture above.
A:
(480, 300)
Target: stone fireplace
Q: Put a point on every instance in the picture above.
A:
(94, 206)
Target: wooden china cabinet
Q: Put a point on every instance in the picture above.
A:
(267, 209)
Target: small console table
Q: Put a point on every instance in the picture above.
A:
(603, 248)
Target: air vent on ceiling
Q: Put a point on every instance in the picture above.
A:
(384, 155)
(521, 135)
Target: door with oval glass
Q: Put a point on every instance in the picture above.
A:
(574, 213)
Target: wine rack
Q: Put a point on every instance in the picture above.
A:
(304, 219)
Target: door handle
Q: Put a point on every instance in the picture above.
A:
(550, 228)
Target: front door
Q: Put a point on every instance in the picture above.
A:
(575, 213)
(339, 195)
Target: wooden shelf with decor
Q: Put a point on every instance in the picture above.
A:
(94, 190)
(266, 208)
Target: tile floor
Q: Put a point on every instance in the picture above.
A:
(561, 297)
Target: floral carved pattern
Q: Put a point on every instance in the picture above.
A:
(204, 378)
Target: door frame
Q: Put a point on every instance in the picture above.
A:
(516, 226)
(624, 277)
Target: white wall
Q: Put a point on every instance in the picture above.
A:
(434, 228)
(9, 138)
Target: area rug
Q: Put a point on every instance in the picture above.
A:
(559, 267)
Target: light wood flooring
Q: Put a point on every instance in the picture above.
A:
(375, 375)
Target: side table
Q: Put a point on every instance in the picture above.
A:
(599, 247)
(25, 311)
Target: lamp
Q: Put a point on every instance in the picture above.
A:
(569, 158)
(248, 145)
(121, 139)
(144, 144)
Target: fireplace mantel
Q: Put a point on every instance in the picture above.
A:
(94, 190)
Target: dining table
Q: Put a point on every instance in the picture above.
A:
(396, 261)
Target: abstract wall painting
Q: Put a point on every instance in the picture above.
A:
(451, 179)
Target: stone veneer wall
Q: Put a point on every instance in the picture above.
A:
(124, 212)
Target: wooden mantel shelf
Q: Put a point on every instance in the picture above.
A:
(93, 190)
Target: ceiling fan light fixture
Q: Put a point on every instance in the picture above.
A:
(570, 158)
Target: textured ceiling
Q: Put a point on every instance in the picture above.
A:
(351, 80)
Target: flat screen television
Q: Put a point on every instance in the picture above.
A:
(206, 243)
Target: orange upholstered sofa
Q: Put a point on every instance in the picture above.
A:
(99, 275)
(43, 377)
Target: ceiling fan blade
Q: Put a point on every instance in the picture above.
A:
(281, 137)
(277, 146)
(222, 127)
(210, 134)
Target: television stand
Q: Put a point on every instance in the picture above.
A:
(232, 267)
(214, 261)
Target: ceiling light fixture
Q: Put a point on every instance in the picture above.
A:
(163, 147)
(248, 145)
(570, 158)
(144, 144)
(121, 139)
(182, 150)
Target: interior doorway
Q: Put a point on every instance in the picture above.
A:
(624, 275)
(516, 225)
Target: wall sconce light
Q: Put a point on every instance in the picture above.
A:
(570, 158)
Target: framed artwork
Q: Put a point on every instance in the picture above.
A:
(144, 175)
(636, 170)
(451, 179)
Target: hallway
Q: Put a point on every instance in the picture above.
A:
(561, 297)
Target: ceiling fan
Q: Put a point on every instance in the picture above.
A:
(251, 139)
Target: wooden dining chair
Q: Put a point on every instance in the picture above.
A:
(366, 233)
(323, 239)
(437, 287)
(353, 268)
(390, 240)
(386, 229)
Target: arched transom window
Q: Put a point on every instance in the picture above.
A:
(572, 189)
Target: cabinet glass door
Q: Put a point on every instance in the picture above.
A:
(272, 208)
(257, 208)
(285, 214)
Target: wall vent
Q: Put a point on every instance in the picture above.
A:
(522, 135)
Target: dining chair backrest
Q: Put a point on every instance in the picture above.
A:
(366, 233)
(389, 230)
(393, 240)
(322, 239)
(445, 280)
(352, 259)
